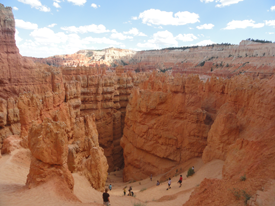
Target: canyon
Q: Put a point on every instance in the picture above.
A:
(146, 112)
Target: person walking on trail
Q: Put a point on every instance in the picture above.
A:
(105, 196)
(124, 190)
(131, 193)
(193, 168)
(110, 187)
(180, 180)
(151, 177)
(169, 184)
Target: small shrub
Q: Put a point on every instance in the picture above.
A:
(143, 189)
(139, 204)
(190, 172)
(236, 193)
(241, 193)
(243, 178)
(246, 196)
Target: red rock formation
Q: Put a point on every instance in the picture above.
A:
(48, 144)
(86, 155)
(32, 106)
(10, 144)
(166, 123)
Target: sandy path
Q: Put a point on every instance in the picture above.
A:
(14, 169)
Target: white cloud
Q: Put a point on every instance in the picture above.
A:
(45, 42)
(272, 8)
(222, 3)
(270, 32)
(120, 36)
(134, 18)
(102, 40)
(205, 26)
(85, 29)
(56, 5)
(160, 39)
(95, 6)
(243, 24)
(17, 38)
(36, 4)
(45, 35)
(270, 23)
(186, 37)
(15, 8)
(19, 23)
(135, 32)
(166, 39)
(206, 1)
(157, 17)
(52, 25)
(205, 42)
(78, 2)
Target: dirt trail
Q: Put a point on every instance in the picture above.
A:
(14, 169)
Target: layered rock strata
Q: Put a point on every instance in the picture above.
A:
(38, 105)
(90, 91)
(172, 119)
(247, 148)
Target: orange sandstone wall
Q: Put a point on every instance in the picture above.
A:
(172, 119)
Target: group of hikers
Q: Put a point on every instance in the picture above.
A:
(106, 200)
(170, 181)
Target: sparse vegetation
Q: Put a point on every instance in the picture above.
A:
(143, 189)
(246, 196)
(236, 193)
(137, 70)
(164, 70)
(123, 63)
(201, 64)
(190, 172)
(259, 40)
(139, 204)
(243, 178)
(241, 193)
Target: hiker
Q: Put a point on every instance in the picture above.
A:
(151, 177)
(131, 193)
(169, 184)
(106, 200)
(158, 183)
(124, 190)
(110, 187)
(180, 180)
(193, 168)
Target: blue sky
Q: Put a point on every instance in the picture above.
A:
(50, 27)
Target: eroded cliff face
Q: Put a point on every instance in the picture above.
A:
(172, 119)
(39, 111)
(167, 122)
(251, 154)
